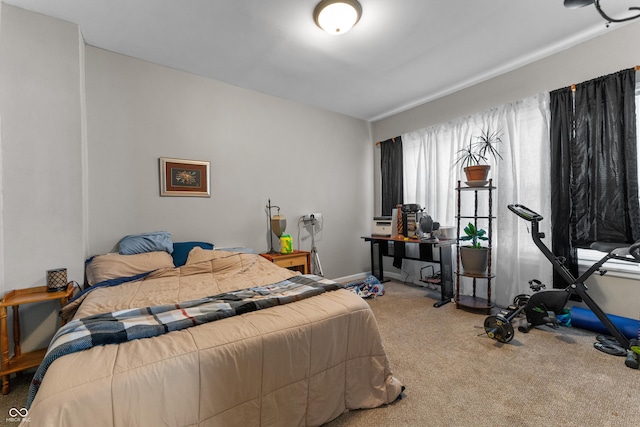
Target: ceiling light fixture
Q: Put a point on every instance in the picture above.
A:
(337, 16)
(573, 4)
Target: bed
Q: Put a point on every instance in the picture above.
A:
(296, 363)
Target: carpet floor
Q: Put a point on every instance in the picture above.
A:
(457, 376)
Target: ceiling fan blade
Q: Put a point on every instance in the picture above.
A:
(574, 4)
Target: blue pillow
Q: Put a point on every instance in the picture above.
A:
(181, 251)
(146, 242)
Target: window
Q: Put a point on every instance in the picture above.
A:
(522, 176)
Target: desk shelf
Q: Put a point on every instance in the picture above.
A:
(426, 251)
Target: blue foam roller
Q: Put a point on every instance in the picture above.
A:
(586, 319)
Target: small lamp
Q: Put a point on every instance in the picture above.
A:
(337, 16)
(56, 280)
(277, 225)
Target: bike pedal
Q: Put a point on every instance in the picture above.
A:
(632, 360)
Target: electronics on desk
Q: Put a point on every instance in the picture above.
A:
(411, 207)
(382, 226)
(427, 229)
(394, 222)
(411, 214)
(446, 232)
(410, 224)
(410, 220)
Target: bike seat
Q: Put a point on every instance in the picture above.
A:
(621, 249)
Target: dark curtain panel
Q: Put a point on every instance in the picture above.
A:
(391, 167)
(594, 166)
(562, 137)
(605, 179)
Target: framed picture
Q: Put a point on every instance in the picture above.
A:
(180, 177)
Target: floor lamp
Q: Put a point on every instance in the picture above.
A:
(315, 258)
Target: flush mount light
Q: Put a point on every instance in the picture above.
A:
(337, 16)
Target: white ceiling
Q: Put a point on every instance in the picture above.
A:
(401, 54)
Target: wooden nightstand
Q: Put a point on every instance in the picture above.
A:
(19, 361)
(297, 260)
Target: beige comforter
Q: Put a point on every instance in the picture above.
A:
(298, 364)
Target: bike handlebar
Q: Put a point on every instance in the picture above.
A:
(634, 250)
(525, 213)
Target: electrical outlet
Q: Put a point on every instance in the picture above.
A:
(312, 216)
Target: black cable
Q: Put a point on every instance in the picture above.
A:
(610, 19)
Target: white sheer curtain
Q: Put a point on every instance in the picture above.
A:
(521, 177)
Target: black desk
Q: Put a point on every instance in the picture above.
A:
(380, 245)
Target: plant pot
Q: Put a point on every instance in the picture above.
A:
(477, 172)
(474, 260)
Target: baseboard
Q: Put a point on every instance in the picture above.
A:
(364, 275)
(396, 276)
(352, 278)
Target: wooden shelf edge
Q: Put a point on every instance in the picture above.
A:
(34, 295)
(28, 360)
(473, 302)
(475, 276)
(475, 188)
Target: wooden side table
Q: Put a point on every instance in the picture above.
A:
(297, 260)
(19, 361)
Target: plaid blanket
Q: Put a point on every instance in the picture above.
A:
(127, 325)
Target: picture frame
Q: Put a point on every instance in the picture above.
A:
(184, 178)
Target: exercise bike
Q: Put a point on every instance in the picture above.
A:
(541, 307)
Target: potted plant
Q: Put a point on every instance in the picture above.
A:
(474, 158)
(474, 257)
